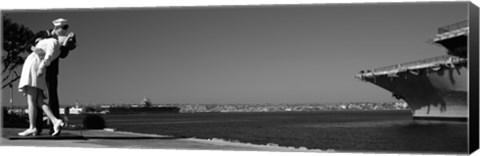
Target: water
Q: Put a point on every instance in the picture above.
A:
(370, 131)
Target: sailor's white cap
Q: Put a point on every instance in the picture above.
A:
(59, 22)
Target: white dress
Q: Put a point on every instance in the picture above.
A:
(36, 61)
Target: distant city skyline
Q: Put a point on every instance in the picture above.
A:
(246, 54)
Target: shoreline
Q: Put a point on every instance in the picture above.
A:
(224, 142)
(115, 139)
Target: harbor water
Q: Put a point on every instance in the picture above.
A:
(362, 131)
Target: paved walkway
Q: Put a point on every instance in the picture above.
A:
(115, 139)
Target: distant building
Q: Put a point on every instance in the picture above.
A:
(72, 110)
(62, 111)
(105, 106)
(146, 102)
(401, 105)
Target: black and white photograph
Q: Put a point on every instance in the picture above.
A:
(383, 77)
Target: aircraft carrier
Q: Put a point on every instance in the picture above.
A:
(434, 88)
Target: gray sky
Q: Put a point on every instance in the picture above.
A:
(256, 54)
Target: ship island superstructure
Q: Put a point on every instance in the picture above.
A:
(434, 88)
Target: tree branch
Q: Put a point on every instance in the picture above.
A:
(11, 81)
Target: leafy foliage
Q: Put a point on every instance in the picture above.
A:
(16, 40)
(14, 119)
(93, 121)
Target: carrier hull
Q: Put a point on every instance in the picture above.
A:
(433, 90)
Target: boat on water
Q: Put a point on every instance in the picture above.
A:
(434, 88)
(145, 107)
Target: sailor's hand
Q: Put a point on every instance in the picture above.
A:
(71, 35)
